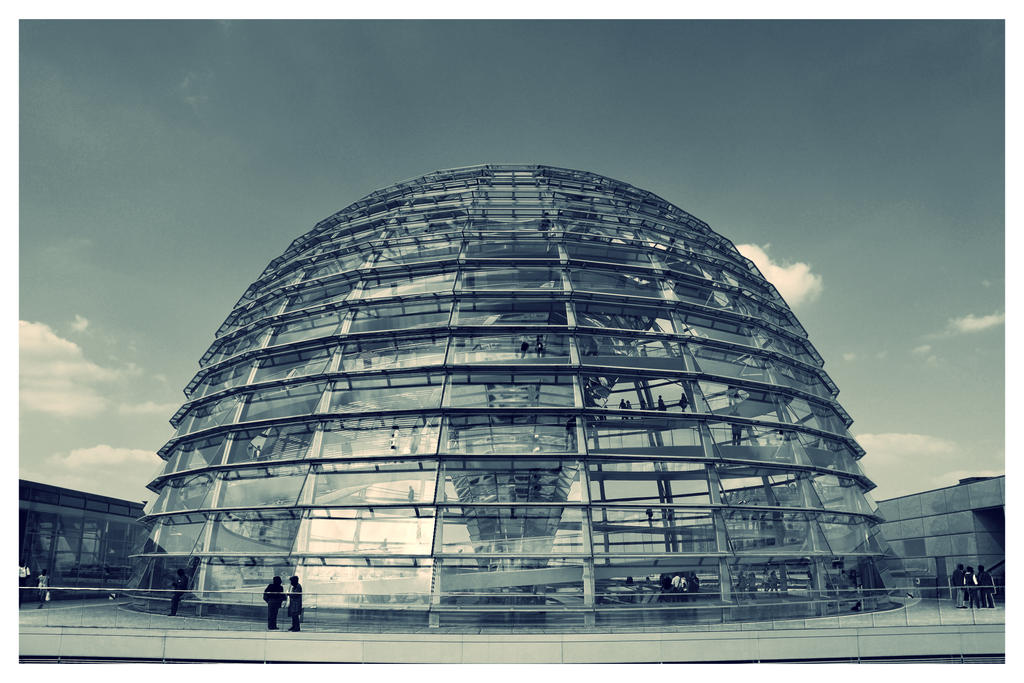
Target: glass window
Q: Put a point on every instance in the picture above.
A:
(722, 330)
(179, 537)
(512, 581)
(512, 278)
(510, 434)
(520, 530)
(644, 435)
(247, 575)
(847, 535)
(223, 379)
(840, 494)
(378, 354)
(734, 364)
(344, 582)
(407, 285)
(503, 390)
(757, 531)
(802, 412)
(315, 296)
(605, 315)
(283, 402)
(488, 312)
(608, 253)
(755, 579)
(254, 532)
(625, 392)
(415, 252)
(236, 345)
(370, 436)
(750, 442)
(828, 454)
(401, 316)
(533, 348)
(653, 530)
(191, 492)
(255, 311)
(628, 581)
(262, 486)
(294, 364)
(365, 483)
(513, 249)
(313, 327)
(644, 481)
(511, 481)
(207, 415)
(288, 442)
(611, 282)
(729, 399)
(196, 453)
(388, 392)
(341, 263)
(373, 531)
(608, 350)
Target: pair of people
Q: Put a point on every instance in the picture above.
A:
(274, 596)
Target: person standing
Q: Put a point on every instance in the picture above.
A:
(661, 403)
(24, 581)
(273, 595)
(180, 584)
(295, 602)
(986, 587)
(956, 582)
(971, 586)
(43, 584)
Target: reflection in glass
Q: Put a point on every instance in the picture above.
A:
(344, 582)
(370, 436)
(365, 483)
(223, 379)
(371, 531)
(511, 312)
(606, 315)
(378, 354)
(511, 481)
(254, 532)
(521, 530)
(389, 392)
(294, 364)
(534, 348)
(503, 390)
(512, 278)
(643, 481)
(283, 401)
(407, 285)
(401, 316)
(262, 486)
(312, 327)
(285, 442)
(510, 434)
(673, 436)
(511, 581)
(612, 282)
(653, 530)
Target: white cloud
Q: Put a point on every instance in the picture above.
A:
(972, 323)
(148, 408)
(848, 357)
(103, 469)
(921, 350)
(891, 444)
(56, 378)
(795, 281)
(79, 324)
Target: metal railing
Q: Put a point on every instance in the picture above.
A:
(640, 609)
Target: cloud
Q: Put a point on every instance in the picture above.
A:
(79, 324)
(107, 470)
(901, 444)
(972, 323)
(56, 378)
(193, 89)
(147, 408)
(795, 281)
(921, 350)
(849, 357)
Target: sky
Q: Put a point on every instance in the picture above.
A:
(163, 164)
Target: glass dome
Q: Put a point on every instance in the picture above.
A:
(513, 394)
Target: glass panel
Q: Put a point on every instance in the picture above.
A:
(223, 379)
(511, 312)
(244, 574)
(283, 402)
(315, 296)
(840, 493)
(846, 535)
(763, 444)
(389, 392)
(633, 284)
(735, 364)
(620, 351)
(625, 582)
(407, 285)
(415, 252)
(339, 264)
(186, 493)
(754, 579)
(512, 249)
(604, 315)
(512, 530)
(801, 412)
(365, 483)
(378, 354)
(508, 434)
(262, 486)
(236, 345)
(723, 330)
(254, 312)
(511, 581)
(377, 436)
(195, 454)
(626, 392)
(511, 481)
(288, 442)
(609, 253)
(295, 364)
(828, 454)
(761, 531)
(644, 435)
(366, 581)
(512, 278)
(179, 538)
(254, 532)
(213, 414)
(642, 481)
(727, 399)
(402, 316)
(537, 348)
(502, 390)
(379, 530)
(312, 327)
(654, 530)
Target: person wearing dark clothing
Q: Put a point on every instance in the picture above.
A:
(180, 585)
(737, 434)
(971, 586)
(693, 584)
(622, 404)
(523, 348)
(956, 582)
(661, 404)
(273, 595)
(295, 602)
(986, 587)
(683, 403)
(540, 348)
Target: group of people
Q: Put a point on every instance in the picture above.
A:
(661, 405)
(679, 587)
(275, 596)
(972, 589)
(746, 582)
(538, 347)
(25, 582)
